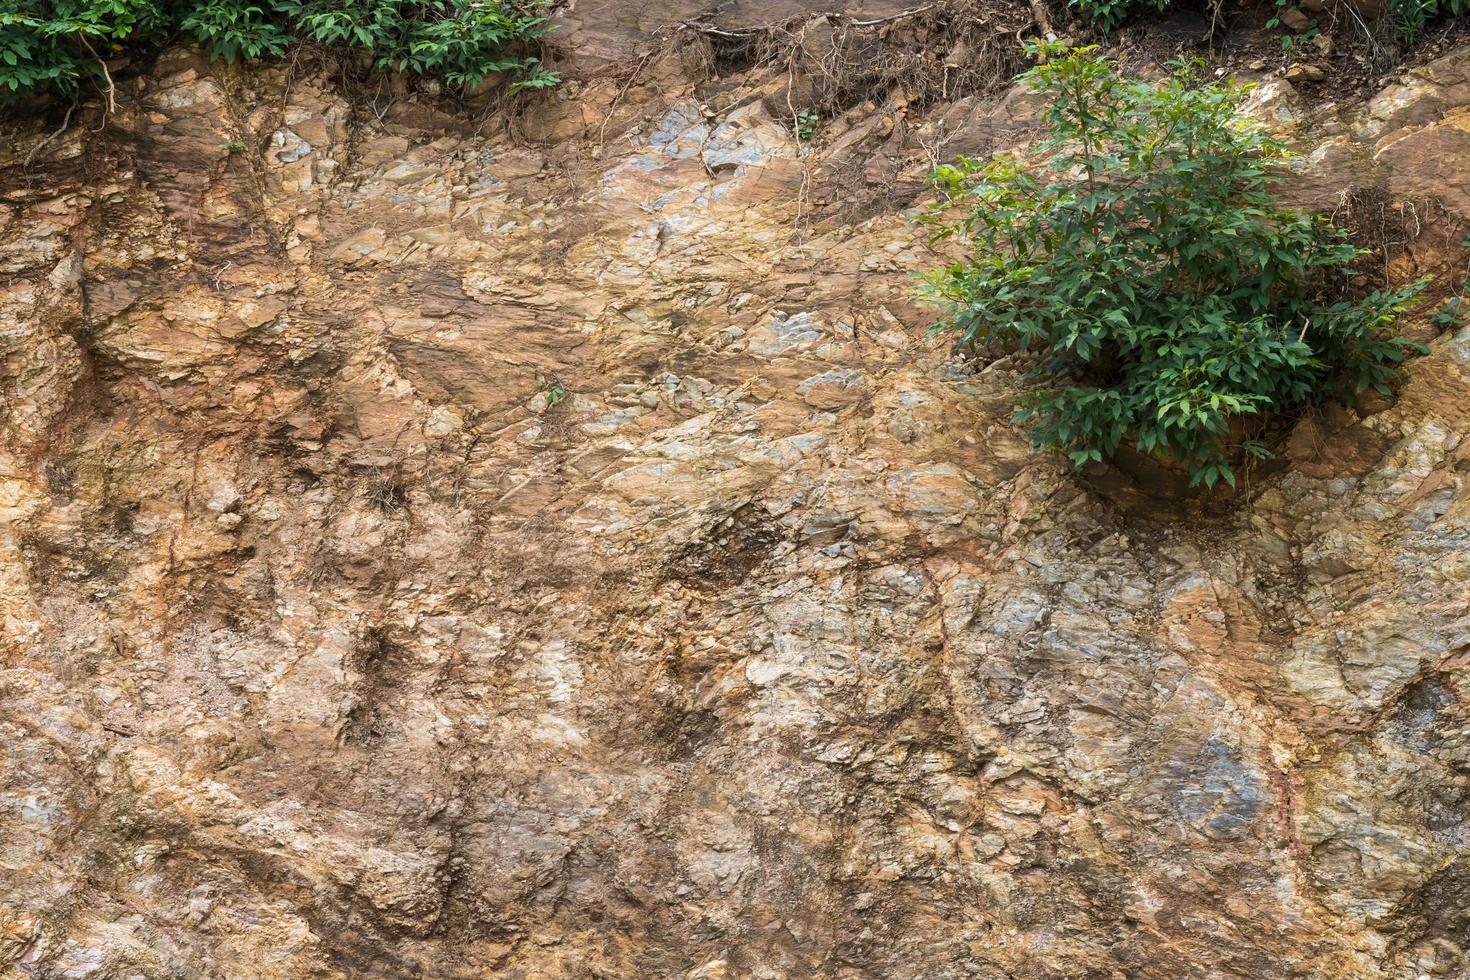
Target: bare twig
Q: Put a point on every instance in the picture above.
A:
(891, 17)
(601, 130)
(38, 147)
(694, 25)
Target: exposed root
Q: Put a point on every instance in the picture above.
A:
(637, 70)
(109, 93)
(1043, 20)
(803, 148)
(1406, 238)
(935, 51)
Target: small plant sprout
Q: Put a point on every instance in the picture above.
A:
(805, 124)
(1451, 312)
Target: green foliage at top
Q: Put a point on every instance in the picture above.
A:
(1409, 17)
(50, 44)
(1171, 301)
(53, 45)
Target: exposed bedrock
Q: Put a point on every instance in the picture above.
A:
(556, 548)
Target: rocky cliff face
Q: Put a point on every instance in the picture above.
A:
(554, 548)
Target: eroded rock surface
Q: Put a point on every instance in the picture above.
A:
(437, 552)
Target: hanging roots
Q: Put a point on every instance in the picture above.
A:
(937, 51)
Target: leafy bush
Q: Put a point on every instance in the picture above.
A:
(1108, 14)
(1411, 17)
(51, 45)
(234, 31)
(1171, 301)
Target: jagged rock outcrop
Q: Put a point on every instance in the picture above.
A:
(560, 551)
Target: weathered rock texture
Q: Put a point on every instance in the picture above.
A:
(431, 552)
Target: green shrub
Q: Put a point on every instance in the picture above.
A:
(234, 31)
(1108, 14)
(1170, 301)
(1411, 17)
(51, 45)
